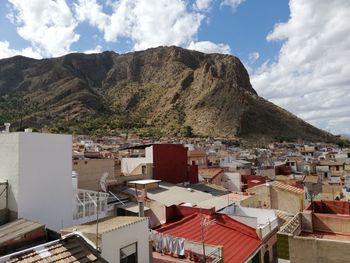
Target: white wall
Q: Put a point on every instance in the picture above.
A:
(232, 181)
(9, 168)
(39, 168)
(128, 165)
(45, 186)
(114, 240)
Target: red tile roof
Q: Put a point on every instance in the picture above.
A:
(239, 241)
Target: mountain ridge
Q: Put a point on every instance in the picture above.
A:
(169, 90)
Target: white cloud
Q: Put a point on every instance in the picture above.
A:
(48, 25)
(6, 51)
(203, 5)
(97, 49)
(232, 3)
(146, 23)
(311, 77)
(253, 57)
(210, 47)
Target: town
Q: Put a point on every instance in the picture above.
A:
(130, 199)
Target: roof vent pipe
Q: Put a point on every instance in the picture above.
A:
(141, 209)
(7, 126)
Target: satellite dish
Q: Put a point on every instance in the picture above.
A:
(103, 182)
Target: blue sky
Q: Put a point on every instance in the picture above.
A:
(243, 28)
(296, 51)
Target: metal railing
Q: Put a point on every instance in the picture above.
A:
(87, 202)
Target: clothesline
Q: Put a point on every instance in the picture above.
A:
(166, 243)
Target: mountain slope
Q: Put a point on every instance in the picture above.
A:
(165, 88)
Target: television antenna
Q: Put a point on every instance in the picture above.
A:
(102, 184)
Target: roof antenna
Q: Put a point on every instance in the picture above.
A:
(102, 185)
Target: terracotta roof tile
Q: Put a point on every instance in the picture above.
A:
(71, 248)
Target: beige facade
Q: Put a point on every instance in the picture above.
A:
(90, 171)
(317, 238)
(279, 196)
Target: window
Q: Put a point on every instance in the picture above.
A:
(128, 254)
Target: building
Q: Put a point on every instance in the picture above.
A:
(159, 197)
(89, 172)
(239, 242)
(211, 175)
(315, 237)
(38, 168)
(168, 162)
(198, 157)
(279, 196)
(38, 171)
(264, 221)
(120, 239)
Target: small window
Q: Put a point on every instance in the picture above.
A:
(128, 254)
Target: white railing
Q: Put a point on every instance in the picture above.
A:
(267, 228)
(87, 202)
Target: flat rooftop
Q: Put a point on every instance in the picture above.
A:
(326, 235)
(105, 225)
(144, 181)
(17, 229)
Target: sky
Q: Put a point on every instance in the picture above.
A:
(297, 52)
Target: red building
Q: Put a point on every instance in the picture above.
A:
(170, 164)
(250, 181)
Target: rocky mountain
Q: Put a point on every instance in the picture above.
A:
(169, 90)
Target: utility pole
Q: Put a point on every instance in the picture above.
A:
(97, 208)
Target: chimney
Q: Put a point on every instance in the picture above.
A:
(7, 127)
(141, 209)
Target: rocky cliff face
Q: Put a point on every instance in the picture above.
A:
(165, 88)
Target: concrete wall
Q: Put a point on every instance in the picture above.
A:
(251, 201)
(263, 195)
(302, 249)
(45, 179)
(9, 167)
(331, 223)
(132, 166)
(170, 163)
(268, 247)
(269, 173)
(158, 214)
(217, 179)
(232, 181)
(90, 171)
(286, 201)
(113, 241)
(39, 169)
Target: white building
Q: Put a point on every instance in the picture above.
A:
(137, 166)
(38, 168)
(120, 239)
